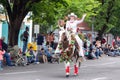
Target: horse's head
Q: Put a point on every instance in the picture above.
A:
(64, 41)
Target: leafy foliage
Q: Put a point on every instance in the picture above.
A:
(116, 30)
(48, 12)
(107, 18)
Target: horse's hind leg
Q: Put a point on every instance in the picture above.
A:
(67, 68)
(79, 60)
(77, 64)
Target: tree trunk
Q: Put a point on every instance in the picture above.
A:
(101, 32)
(16, 15)
(14, 29)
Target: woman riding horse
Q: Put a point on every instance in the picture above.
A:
(71, 28)
(71, 35)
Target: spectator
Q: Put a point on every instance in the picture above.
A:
(48, 52)
(40, 41)
(85, 48)
(1, 58)
(92, 50)
(25, 39)
(50, 39)
(113, 42)
(111, 52)
(105, 49)
(6, 55)
(30, 55)
(116, 50)
(0, 43)
(98, 47)
(41, 57)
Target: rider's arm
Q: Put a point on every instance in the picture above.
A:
(67, 25)
(80, 21)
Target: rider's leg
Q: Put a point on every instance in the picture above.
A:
(80, 43)
(67, 68)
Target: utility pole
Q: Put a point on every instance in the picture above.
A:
(93, 35)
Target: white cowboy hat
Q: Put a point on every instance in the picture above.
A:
(72, 14)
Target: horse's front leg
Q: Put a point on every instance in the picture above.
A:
(76, 67)
(67, 68)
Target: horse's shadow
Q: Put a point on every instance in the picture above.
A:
(63, 77)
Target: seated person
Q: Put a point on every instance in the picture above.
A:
(41, 56)
(48, 52)
(111, 52)
(105, 49)
(7, 55)
(116, 50)
(92, 50)
(30, 55)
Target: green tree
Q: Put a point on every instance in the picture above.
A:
(57, 10)
(116, 30)
(106, 19)
(17, 10)
(47, 15)
(47, 12)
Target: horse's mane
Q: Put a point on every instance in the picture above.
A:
(65, 41)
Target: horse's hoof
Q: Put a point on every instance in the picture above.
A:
(75, 74)
(67, 75)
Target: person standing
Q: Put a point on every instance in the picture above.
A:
(1, 58)
(40, 41)
(50, 39)
(25, 39)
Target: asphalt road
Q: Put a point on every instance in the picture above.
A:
(105, 68)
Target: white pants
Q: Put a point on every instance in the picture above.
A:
(39, 47)
(80, 44)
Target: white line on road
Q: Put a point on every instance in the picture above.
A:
(102, 78)
(100, 64)
(20, 72)
(37, 79)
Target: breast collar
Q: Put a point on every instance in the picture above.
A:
(61, 28)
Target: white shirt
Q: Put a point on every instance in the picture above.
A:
(73, 24)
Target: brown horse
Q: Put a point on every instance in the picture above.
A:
(69, 53)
